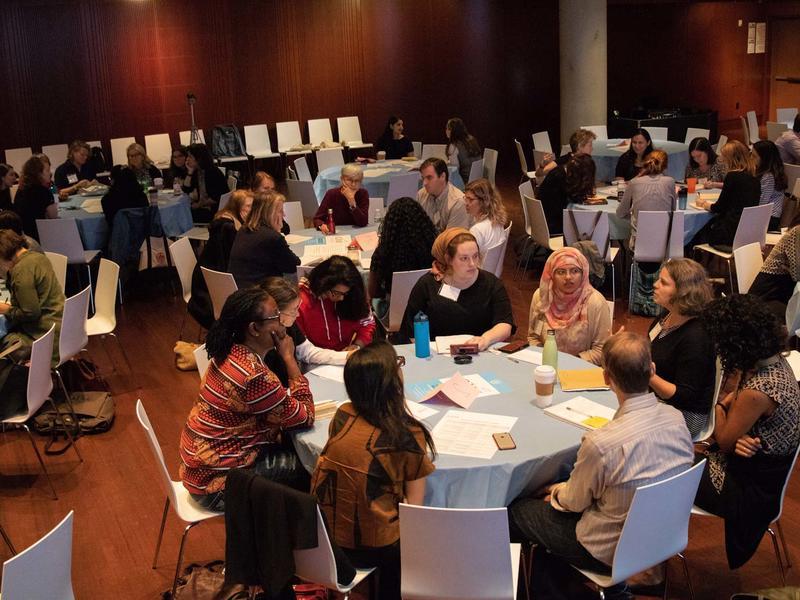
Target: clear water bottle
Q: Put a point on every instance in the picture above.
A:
(422, 335)
(378, 215)
(550, 352)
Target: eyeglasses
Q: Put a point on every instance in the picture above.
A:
(401, 361)
(270, 318)
(336, 293)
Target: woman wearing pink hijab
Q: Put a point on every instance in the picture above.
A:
(567, 303)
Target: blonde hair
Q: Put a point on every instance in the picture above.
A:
(233, 208)
(264, 207)
(737, 157)
(352, 171)
(489, 200)
(75, 146)
(655, 163)
(580, 138)
(140, 149)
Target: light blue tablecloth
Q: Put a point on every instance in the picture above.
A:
(176, 218)
(546, 447)
(605, 158)
(378, 186)
(318, 237)
(3, 326)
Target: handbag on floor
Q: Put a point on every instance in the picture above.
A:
(206, 582)
(95, 412)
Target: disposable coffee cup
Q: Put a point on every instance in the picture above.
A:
(544, 378)
(381, 155)
(158, 182)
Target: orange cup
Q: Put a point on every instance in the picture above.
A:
(691, 183)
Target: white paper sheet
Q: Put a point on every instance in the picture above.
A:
(378, 172)
(368, 241)
(92, 205)
(527, 355)
(443, 342)
(462, 433)
(332, 372)
(293, 238)
(484, 387)
(338, 240)
(420, 411)
(317, 252)
(578, 409)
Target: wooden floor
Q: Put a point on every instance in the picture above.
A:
(118, 502)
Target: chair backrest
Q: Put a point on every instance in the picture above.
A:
(402, 284)
(657, 525)
(565, 149)
(774, 130)
(752, 226)
(16, 157)
(317, 564)
(541, 142)
(256, 139)
(202, 360)
(40, 381)
(105, 295)
(288, 135)
(119, 149)
(159, 148)
(303, 192)
(610, 304)
(540, 232)
(233, 183)
(476, 170)
(657, 133)
(319, 130)
(73, 337)
(695, 132)
(44, 570)
(186, 136)
(220, 285)
(417, 149)
(164, 479)
(526, 189)
(748, 260)
(752, 126)
(493, 259)
(349, 130)
(402, 186)
(61, 235)
(723, 139)
(293, 213)
(434, 151)
(786, 483)
(224, 199)
(330, 157)
(303, 172)
(375, 204)
(585, 220)
(59, 263)
(523, 162)
(184, 259)
(489, 164)
(785, 115)
(651, 236)
(708, 430)
(498, 270)
(793, 311)
(601, 131)
(473, 543)
(57, 153)
(792, 175)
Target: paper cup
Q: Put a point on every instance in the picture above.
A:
(381, 155)
(544, 377)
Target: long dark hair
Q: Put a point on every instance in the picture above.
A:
(341, 270)
(202, 155)
(631, 153)
(580, 176)
(32, 173)
(387, 134)
(703, 145)
(240, 309)
(769, 161)
(4, 170)
(375, 387)
(175, 169)
(459, 134)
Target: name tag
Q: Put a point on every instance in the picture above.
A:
(448, 291)
(72, 178)
(655, 331)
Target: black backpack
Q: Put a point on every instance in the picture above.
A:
(94, 411)
(226, 141)
(98, 160)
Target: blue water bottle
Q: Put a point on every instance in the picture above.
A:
(422, 335)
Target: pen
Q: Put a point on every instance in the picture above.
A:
(581, 413)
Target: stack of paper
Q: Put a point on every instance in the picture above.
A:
(456, 390)
(338, 240)
(582, 412)
(469, 434)
(318, 252)
(581, 379)
(368, 241)
(332, 372)
(325, 409)
(92, 205)
(293, 238)
(443, 342)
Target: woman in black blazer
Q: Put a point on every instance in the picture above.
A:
(204, 183)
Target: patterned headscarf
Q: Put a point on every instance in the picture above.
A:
(561, 309)
(439, 249)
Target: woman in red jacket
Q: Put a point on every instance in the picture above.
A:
(334, 312)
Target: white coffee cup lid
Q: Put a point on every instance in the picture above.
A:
(545, 370)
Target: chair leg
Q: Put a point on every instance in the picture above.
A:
(180, 557)
(41, 462)
(686, 574)
(122, 349)
(67, 429)
(778, 556)
(527, 568)
(783, 543)
(7, 540)
(67, 397)
(730, 276)
(91, 291)
(161, 531)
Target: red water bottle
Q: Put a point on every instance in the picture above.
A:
(331, 224)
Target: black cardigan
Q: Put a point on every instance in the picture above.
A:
(739, 190)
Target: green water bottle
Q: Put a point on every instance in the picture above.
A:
(550, 352)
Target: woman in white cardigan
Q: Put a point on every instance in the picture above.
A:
(485, 208)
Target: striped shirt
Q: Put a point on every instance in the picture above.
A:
(769, 195)
(241, 407)
(646, 441)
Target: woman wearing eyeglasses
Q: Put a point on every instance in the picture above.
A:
(567, 303)
(242, 410)
(142, 165)
(334, 312)
(377, 456)
(349, 202)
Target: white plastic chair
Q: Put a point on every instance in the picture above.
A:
(375, 204)
(786, 115)
(159, 149)
(303, 192)
(584, 219)
(652, 229)
(289, 137)
(402, 284)
(57, 153)
(202, 360)
(331, 157)
(350, 133)
(481, 563)
(748, 260)
(793, 311)
(656, 528)
(318, 565)
(523, 162)
(723, 139)
(59, 263)
(752, 126)
(184, 259)
(7, 540)
(541, 142)
(496, 255)
(223, 201)
(525, 189)
(186, 136)
(319, 130)
(40, 384)
(220, 286)
(490, 164)
(774, 130)
(540, 232)
(417, 149)
(119, 149)
(44, 570)
(657, 133)
(256, 141)
(434, 151)
(16, 157)
(293, 213)
(303, 172)
(73, 336)
(565, 149)
(752, 228)
(792, 177)
(405, 185)
(601, 131)
(708, 430)
(62, 236)
(475, 170)
(696, 132)
(104, 321)
(184, 507)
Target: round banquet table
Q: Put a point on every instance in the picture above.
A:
(176, 217)
(376, 177)
(546, 447)
(606, 154)
(317, 238)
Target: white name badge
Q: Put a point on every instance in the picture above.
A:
(655, 331)
(448, 291)
(72, 178)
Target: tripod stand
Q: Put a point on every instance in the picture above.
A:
(194, 136)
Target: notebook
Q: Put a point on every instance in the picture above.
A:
(582, 412)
